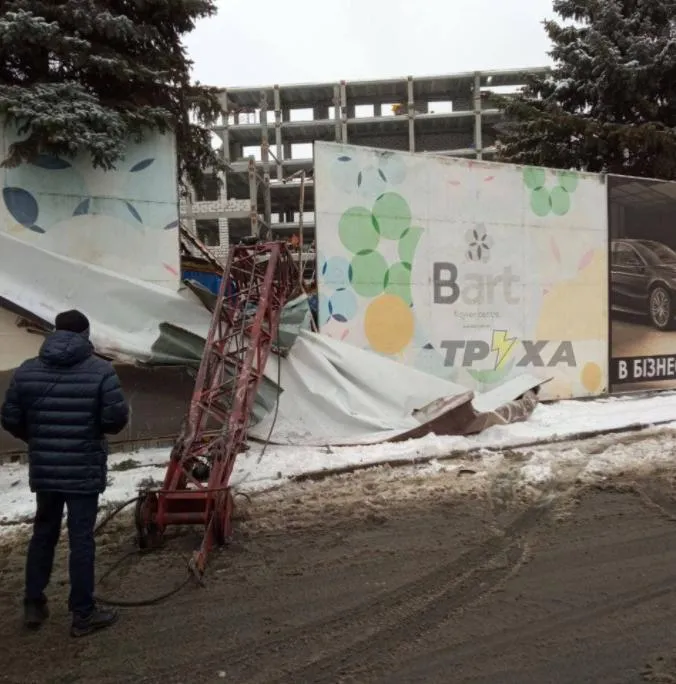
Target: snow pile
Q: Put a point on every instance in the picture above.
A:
(256, 471)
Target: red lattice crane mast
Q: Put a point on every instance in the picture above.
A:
(257, 282)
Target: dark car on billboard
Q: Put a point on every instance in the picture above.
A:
(643, 280)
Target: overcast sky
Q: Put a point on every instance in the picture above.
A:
(262, 42)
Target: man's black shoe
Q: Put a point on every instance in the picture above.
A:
(35, 613)
(96, 620)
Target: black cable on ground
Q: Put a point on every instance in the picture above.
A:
(244, 495)
(141, 603)
(113, 513)
(153, 600)
(138, 603)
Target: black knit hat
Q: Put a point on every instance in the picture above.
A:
(73, 321)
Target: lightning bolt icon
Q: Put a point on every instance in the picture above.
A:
(503, 345)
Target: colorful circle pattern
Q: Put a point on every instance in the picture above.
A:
(342, 305)
(336, 271)
(371, 180)
(389, 324)
(545, 201)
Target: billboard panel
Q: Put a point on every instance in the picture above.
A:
(124, 220)
(473, 271)
(642, 230)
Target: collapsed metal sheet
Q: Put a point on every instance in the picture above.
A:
(459, 415)
(515, 411)
(336, 394)
(126, 314)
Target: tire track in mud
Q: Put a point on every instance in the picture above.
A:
(410, 598)
(439, 584)
(421, 605)
(478, 581)
(651, 496)
(656, 499)
(432, 660)
(418, 619)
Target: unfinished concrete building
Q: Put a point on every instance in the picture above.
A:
(267, 134)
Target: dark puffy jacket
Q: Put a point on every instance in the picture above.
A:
(62, 404)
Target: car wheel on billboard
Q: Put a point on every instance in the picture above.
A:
(661, 312)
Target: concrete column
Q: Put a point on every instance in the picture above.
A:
(411, 116)
(226, 125)
(223, 237)
(278, 132)
(265, 158)
(253, 196)
(377, 109)
(343, 112)
(478, 139)
(336, 111)
(223, 227)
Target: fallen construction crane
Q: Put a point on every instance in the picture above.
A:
(257, 281)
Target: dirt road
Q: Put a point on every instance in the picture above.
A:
(395, 578)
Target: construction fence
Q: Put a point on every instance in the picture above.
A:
(477, 272)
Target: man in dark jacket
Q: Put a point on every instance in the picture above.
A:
(62, 404)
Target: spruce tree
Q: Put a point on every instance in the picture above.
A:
(90, 75)
(609, 103)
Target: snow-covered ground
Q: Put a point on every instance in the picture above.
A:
(548, 423)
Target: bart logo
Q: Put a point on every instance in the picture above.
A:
(503, 345)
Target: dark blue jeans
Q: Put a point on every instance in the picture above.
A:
(82, 509)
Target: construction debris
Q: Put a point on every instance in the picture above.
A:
(336, 394)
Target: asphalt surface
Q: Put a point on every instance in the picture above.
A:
(387, 577)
